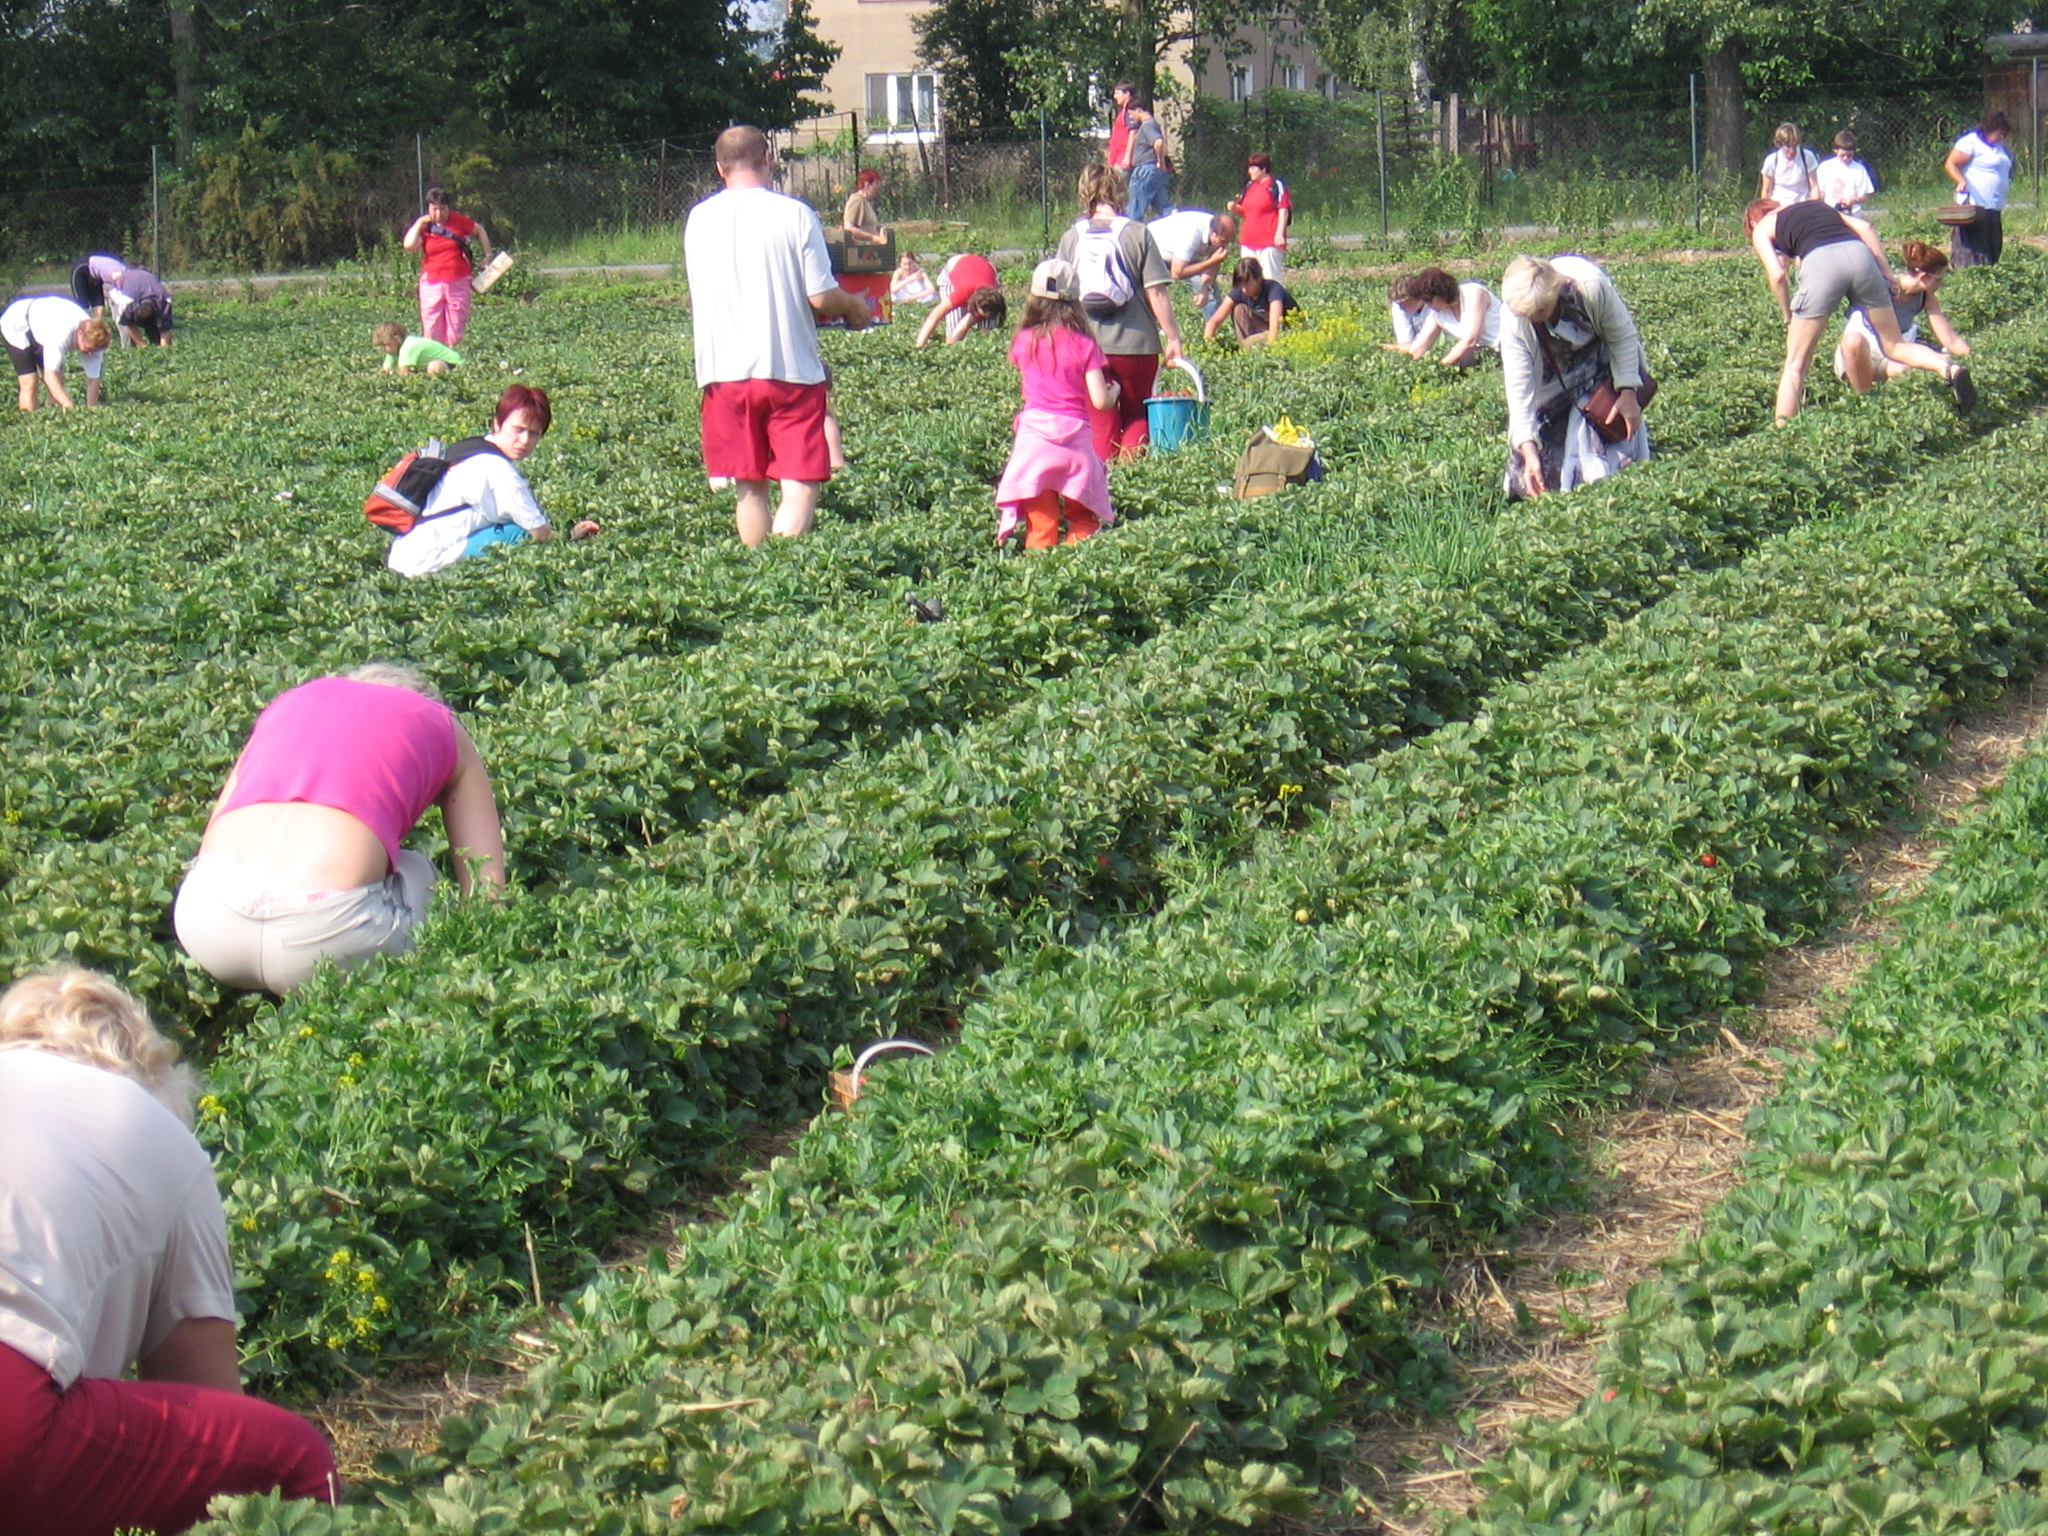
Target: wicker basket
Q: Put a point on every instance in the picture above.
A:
(846, 1083)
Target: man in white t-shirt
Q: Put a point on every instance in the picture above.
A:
(38, 332)
(1196, 243)
(760, 280)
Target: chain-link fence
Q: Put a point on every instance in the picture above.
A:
(1423, 172)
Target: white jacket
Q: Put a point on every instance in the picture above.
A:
(1530, 385)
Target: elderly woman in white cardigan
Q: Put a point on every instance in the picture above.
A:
(1566, 333)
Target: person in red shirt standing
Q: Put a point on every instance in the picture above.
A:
(1119, 150)
(1265, 208)
(441, 235)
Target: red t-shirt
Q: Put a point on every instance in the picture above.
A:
(966, 275)
(445, 259)
(1119, 137)
(1260, 209)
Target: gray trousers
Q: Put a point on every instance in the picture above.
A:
(260, 939)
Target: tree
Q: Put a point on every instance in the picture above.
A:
(1743, 45)
(96, 82)
(1004, 63)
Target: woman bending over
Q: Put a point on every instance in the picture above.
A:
(302, 859)
(1839, 260)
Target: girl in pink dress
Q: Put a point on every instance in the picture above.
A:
(1054, 475)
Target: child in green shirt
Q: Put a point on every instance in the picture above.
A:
(408, 352)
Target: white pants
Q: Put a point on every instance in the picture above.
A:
(1271, 258)
(249, 934)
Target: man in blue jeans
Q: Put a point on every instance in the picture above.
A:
(1149, 177)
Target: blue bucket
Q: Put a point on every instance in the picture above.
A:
(1172, 421)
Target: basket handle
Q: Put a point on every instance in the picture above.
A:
(1201, 389)
(869, 1053)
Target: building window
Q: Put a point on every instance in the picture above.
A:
(1290, 77)
(1240, 82)
(903, 106)
(1327, 84)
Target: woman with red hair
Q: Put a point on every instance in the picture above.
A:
(857, 221)
(484, 499)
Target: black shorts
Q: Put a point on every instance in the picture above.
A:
(28, 360)
(88, 290)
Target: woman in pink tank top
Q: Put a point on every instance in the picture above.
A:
(302, 858)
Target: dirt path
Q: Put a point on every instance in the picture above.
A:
(1533, 1317)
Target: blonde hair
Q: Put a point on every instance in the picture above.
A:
(1786, 136)
(1103, 184)
(94, 335)
(392, 675)
(388, 336)
(85, 1017)
(1530, 287)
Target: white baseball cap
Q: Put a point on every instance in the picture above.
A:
(1055, 279)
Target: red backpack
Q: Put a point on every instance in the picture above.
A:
(394, 505)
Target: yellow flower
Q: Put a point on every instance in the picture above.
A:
(308, 1032)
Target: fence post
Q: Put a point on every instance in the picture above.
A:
(1692, 86)
(661, 186)
(156, 214)
(2034, 113)
(1044, 183)
(419, 165)
(1379, 117)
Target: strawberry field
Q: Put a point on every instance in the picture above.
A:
(1276, 877)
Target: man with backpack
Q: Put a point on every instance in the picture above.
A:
(1126, 292)
(442, 236)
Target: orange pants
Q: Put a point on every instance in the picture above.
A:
(1043, 514)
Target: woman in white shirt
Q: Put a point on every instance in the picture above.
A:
(1789, 171)
(1981, 167)
(483, 499)
(114, 1255)
(1436, 304)
(38, 331)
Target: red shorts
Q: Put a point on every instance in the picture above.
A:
(765, 429)
(105, 1456)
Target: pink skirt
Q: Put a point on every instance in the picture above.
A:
(1052, 453)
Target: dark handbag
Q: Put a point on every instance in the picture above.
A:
(1599, 405)
(1956, 213)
